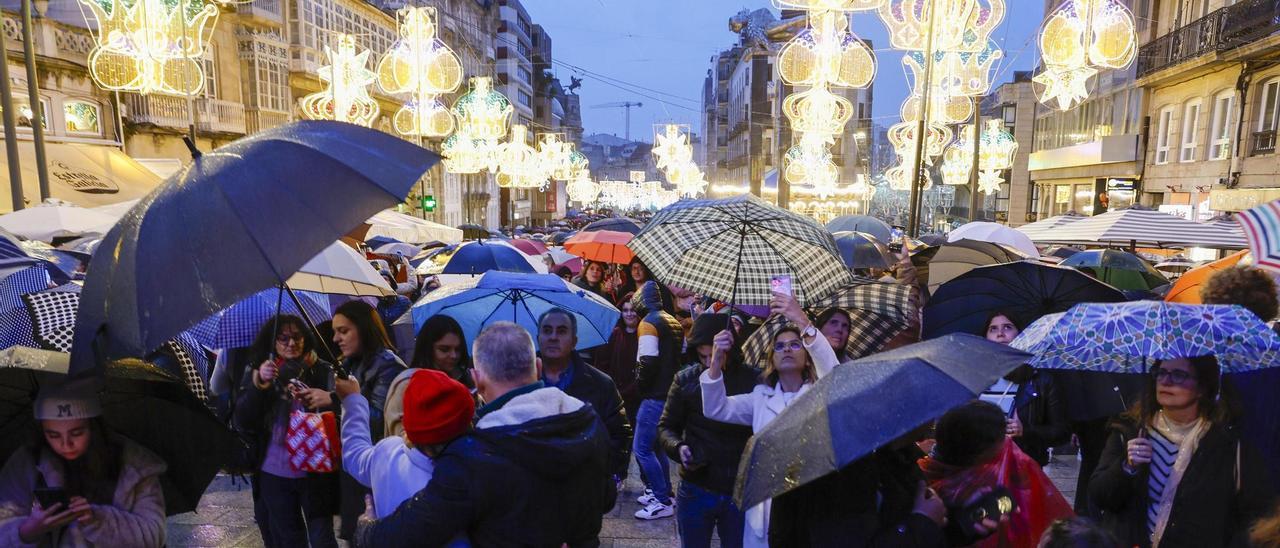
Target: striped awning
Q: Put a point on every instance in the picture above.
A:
(1043, 227)
(1143, 228)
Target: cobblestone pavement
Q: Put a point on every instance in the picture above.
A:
(225, 515)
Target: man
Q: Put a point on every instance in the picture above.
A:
(564, 369)
(661, 342)
(533, 472)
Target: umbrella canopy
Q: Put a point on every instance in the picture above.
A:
(43, 318)
(605, 246)
(528, 247)
(475, 258)
(995, 233)
(1088, 337)
(140, 402)
(407, 228)
(1187, 289)
(616, 224)
(340, 270)
(730, 249)
(560, 238)
(1041, 228)
(236, 221)
(1025, 289)
(1142, 228)
(1262, 231)
(45, 222)
(392, 248)
(519, 298)
(863, 250)
(379, 241)
(560, 255)
(237, 326)
(956, 258)
(1121, 269)
(862, 223)
(865, 404)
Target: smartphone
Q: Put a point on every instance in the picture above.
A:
(780, 284)
(48, 496)
(997, 503)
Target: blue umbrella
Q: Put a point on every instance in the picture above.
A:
(379, 241)
(519, 298)
(616, 224)
(237, 326)
(238, 220)
(476, 258)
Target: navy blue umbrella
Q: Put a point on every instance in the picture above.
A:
(616, 224)
(862, 250)
(238, 220)
(476, 258)
(379, 241)
(864, 404)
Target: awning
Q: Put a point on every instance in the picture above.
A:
(1141, 228)
(83, 174)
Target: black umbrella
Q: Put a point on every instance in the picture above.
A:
(140, 402)
(472, 231)
(861, 223)
(864, 404)
(862, 250)
(1025, 289)
(238, 220)
(616, 224)
(560, 237)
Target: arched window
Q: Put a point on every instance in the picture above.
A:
(82, 118)
(1190, 131)
(1221, 127)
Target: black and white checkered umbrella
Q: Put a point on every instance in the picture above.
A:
(730, 249)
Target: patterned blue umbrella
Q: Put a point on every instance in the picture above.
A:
(238, 325)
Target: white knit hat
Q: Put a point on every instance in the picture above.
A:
(68, 401)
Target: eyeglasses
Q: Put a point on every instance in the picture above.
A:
(1171, 376)
(792, 345)
(285, 338)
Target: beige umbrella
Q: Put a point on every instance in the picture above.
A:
(340, 270)
(956, 258)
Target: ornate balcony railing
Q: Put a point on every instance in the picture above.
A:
(1223, 29)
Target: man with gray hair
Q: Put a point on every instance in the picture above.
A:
(534, 471)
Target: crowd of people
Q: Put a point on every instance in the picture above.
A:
(520, 438)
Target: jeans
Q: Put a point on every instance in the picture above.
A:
(296, 515)
(654, 464)
(700, 511)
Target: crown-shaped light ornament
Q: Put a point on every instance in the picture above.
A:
(483, 112)
(961, 26)
(828, 5)
(817, 110)
(464, 154)
(582, 190)
(998, 147)
(150, 46)
(827, 52)
(420, 65)
(1078, 40)
(346, 94)
(519, 165)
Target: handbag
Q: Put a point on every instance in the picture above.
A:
(313, 441)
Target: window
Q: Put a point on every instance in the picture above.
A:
(1190, 131)
(25, 114)
(525, 99)
(526, 75)
(1162, 135)
(81, 118)
(210, 65)
(1270, 107)
(1010, 114)
(1220, 127)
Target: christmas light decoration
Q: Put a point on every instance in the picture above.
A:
(899, 176)
(998, 147)
(828, 5)
(827, 53)
(1081, 38)
(817, 110)
(150, 46)
(483, 113)
(422, 66)
(347, 79)
(582, 190)
(903, 138)
(464, 154)
(519, 165)
(995, 154)
(671, 147)
(989, 182)
(961, 26)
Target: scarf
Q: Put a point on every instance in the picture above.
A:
(1188, 437)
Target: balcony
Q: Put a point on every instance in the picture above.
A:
(1222, 30)
(263, 10)
(738, 161)
(739, 128)
(218, 116)
(1264, 142)
(259, 120)
(212, 115)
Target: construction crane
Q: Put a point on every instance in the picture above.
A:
(626, 105)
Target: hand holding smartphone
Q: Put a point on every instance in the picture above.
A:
(780, 285)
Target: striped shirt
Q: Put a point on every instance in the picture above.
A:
(1164, 453)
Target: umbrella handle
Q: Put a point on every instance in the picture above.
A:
(338, 370)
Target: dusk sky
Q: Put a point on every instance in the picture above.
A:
(666, 46)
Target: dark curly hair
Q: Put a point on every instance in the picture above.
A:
(1248, 287)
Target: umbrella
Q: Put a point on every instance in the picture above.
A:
(616, 224)
(1121, 269)
(1087, 395)
(1142, 228)
(340, 270)
(238, 325)
(1089, 335)
(392, 248)
(236, 221)
(933, 239)
(560, 256)
(519, 298)
(605, 246)
(731, 249)
(379, 241)
(1025, 289)
(140, 402)
(862, 250)
(1060, 251)
(865, 404)
(1042, 228)
(1261, 226)
(559, 238)
(47, 221)
(995, 233)
(1187, 288)
(476, 258)
(43, 318)
(529, 247)
(407, 228)
(956, 258)
(861, 223)
(473, 232)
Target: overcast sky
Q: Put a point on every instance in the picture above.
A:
(666, 46)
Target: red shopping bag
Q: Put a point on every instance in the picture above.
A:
(312, 440)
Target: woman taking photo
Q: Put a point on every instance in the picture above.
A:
(798, 358)
(1174, 471)
(110, 485)
(367, 355)
(442, 347)
(293, 507)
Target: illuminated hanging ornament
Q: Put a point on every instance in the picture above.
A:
(465, 155)
(582, 190)
(817, 111)
(899, 176)
(962, 25)
(346, 94)
(955, 74)
(902, 137)
(1079, 39)
(421, 65)
(998, 147)
(688, 180)
(828, 5)
(956, 164)
(150, 46)
(519, 165)
(828, 53)
(989, 182)
(483, 112)
(943, 110)
(671, 147)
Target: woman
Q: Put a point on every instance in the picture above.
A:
(836, 325)
(1036, 416)
(110, 485)
(592, 278)
(442, 347)
(296, 506)
(797, 359)
(633, 276)
(367, 355)
(617, 358)
(1174, 472)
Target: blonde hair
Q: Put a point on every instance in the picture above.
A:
(770, 374)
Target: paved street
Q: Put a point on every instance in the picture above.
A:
(225, 516)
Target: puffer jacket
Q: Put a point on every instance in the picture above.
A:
(661, 343)
(135, 517)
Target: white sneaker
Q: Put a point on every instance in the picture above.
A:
(647, 498)
(655, 510)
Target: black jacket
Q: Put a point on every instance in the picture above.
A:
(867, 503)
(375, 373)
(1208, 508)
(654, 372)
(596, 388)
(1043, 416)
(545, 482)
(717, 446)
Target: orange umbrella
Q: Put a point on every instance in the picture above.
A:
(1187, 288)
(606, 246)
